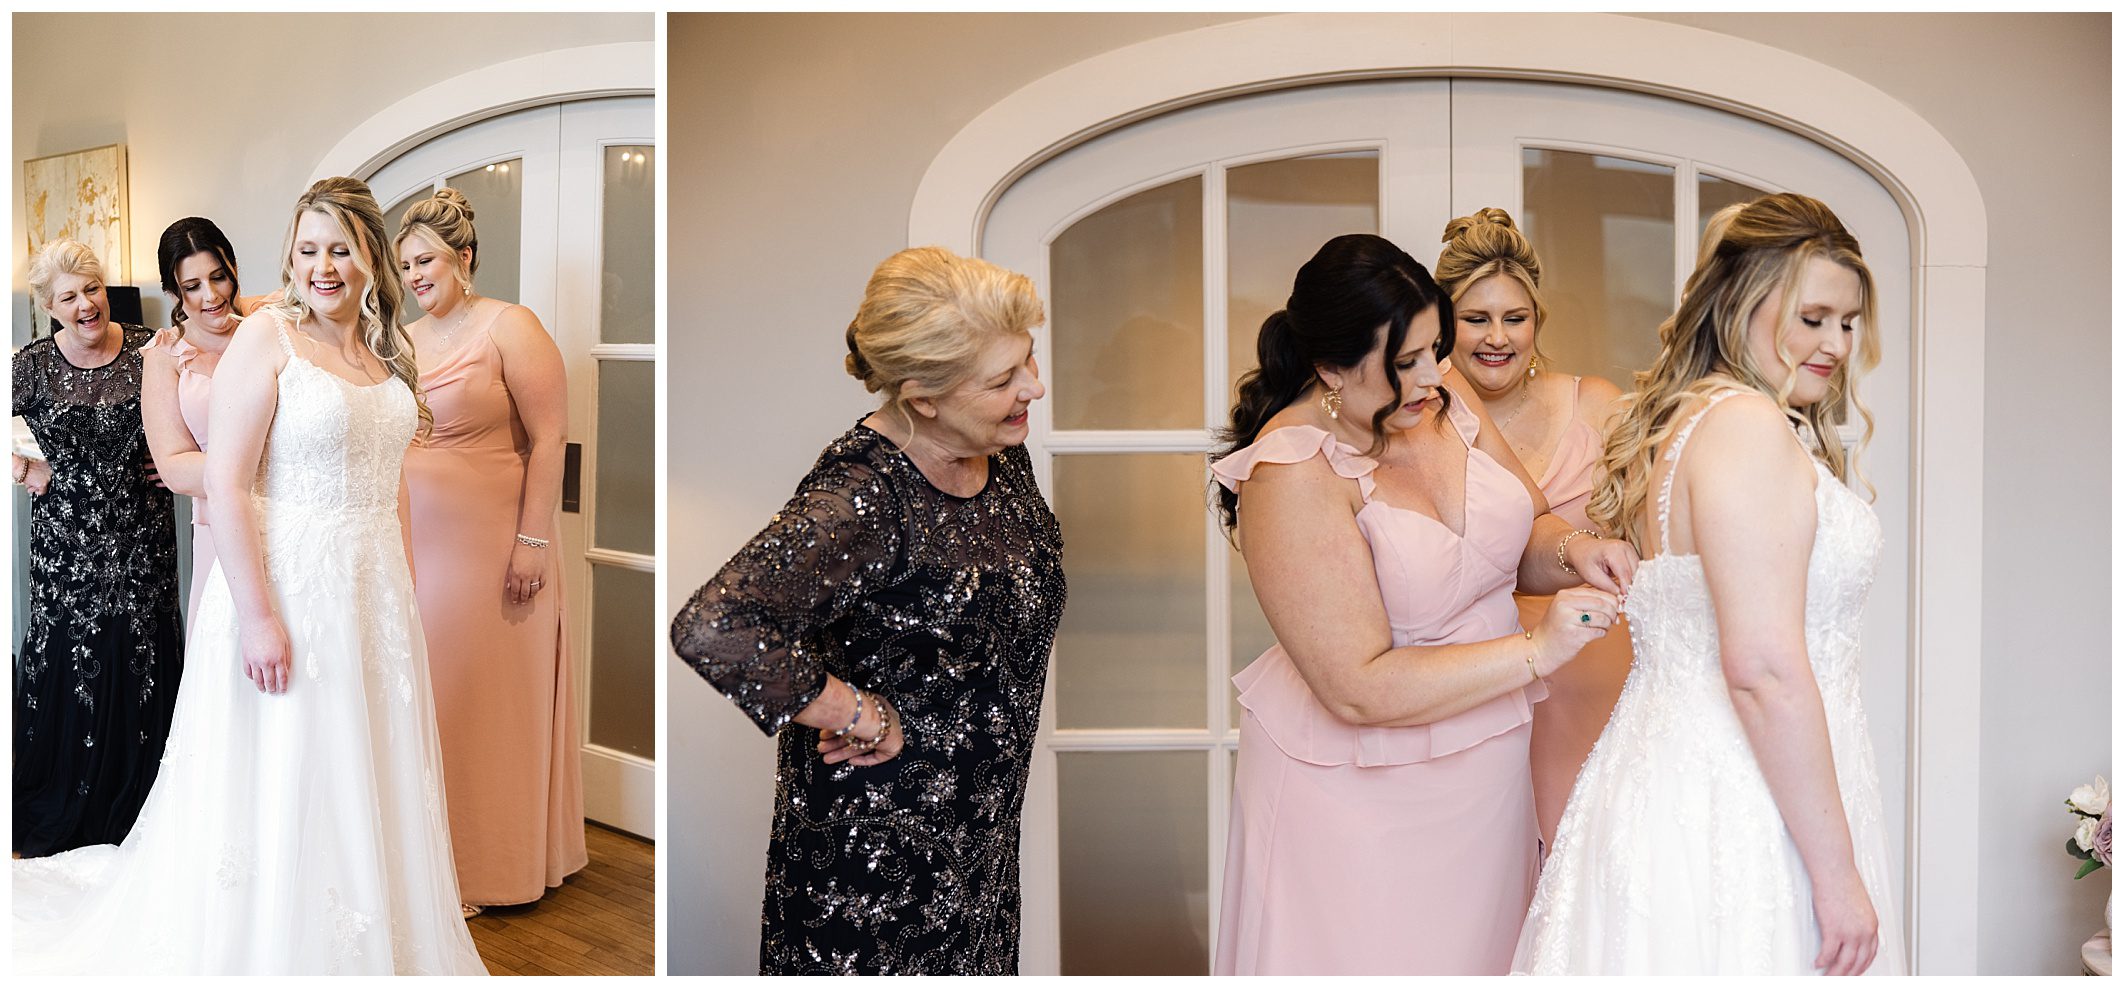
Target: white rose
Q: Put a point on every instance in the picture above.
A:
(2085, 836)
(2091, 800)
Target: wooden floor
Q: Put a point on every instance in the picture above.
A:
(602, 920)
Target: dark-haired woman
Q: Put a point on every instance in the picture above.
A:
(198, 270)
(1383, 820)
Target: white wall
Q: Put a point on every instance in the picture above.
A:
(796, 142)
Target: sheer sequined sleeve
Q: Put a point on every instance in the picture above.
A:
(25, 377)
(760, 631)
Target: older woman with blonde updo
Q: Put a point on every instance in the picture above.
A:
(902, 604)
(96, 677)
(1553, 421)
(484, 486)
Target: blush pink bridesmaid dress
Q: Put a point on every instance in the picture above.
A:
(1387, 850)
(195, 381)
(503, 701)
(1582, 692)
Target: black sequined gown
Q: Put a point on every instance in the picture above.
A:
(96, 677)
(945, 605)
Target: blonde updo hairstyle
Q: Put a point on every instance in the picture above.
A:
(1488, 243)
(445, 220)
(350, 204)
(1761, 247)
(927, 313)
(56, 260)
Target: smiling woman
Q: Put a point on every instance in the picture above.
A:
(301, 788)
(96, 677)
(893, 623)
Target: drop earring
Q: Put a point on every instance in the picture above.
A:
(1533, 364)
(1331, 400)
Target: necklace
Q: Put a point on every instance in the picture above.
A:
(1526, 397)
(443, 340)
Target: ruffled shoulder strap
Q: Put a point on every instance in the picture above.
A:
(176, 346)
(1296, 444)
(1462, 416)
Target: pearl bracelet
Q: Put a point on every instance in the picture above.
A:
(863, 744)
(1566, 540)
(533, 543)
(852, 721)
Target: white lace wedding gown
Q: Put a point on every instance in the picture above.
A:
(295, 833)
(1672, 857)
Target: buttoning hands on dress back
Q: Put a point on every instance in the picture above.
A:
(1355, 354)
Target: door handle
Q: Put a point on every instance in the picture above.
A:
(572, 478)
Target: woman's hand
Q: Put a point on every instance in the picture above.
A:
(1851, 933)
(267, 656)
(1576, 617)
(33, 474)
(835, 750)
(1606, 564)
(527, 573)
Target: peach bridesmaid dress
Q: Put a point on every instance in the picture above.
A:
(195, 381)
(503, 701)
(1387, 850)
(1582, 692)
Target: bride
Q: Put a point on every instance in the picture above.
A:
(1729, 819)
(297, 825)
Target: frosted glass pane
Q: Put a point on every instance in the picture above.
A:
(626, 456)
(628, 289)
(1250, 628)
(1130, 650)
(1134, 862)
(1127, 312)
(1714, 193)
(1604, 227)
(1278, 213)
(623, 633)
(497, 195)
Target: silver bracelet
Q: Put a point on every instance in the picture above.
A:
(533, 543)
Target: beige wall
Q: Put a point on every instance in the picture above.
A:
(796, 142)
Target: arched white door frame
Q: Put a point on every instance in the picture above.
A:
(1909, 157)
(626, 68)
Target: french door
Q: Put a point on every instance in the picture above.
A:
(564, 197)
(1159, 249)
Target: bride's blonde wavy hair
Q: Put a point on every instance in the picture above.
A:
(350, 204)
(1704, 348)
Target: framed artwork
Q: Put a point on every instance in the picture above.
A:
(80, 195)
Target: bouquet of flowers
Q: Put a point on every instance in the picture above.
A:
(2090, 840)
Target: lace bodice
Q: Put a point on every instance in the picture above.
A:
(1675, 629)
(335, 446)
(1672, 855)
